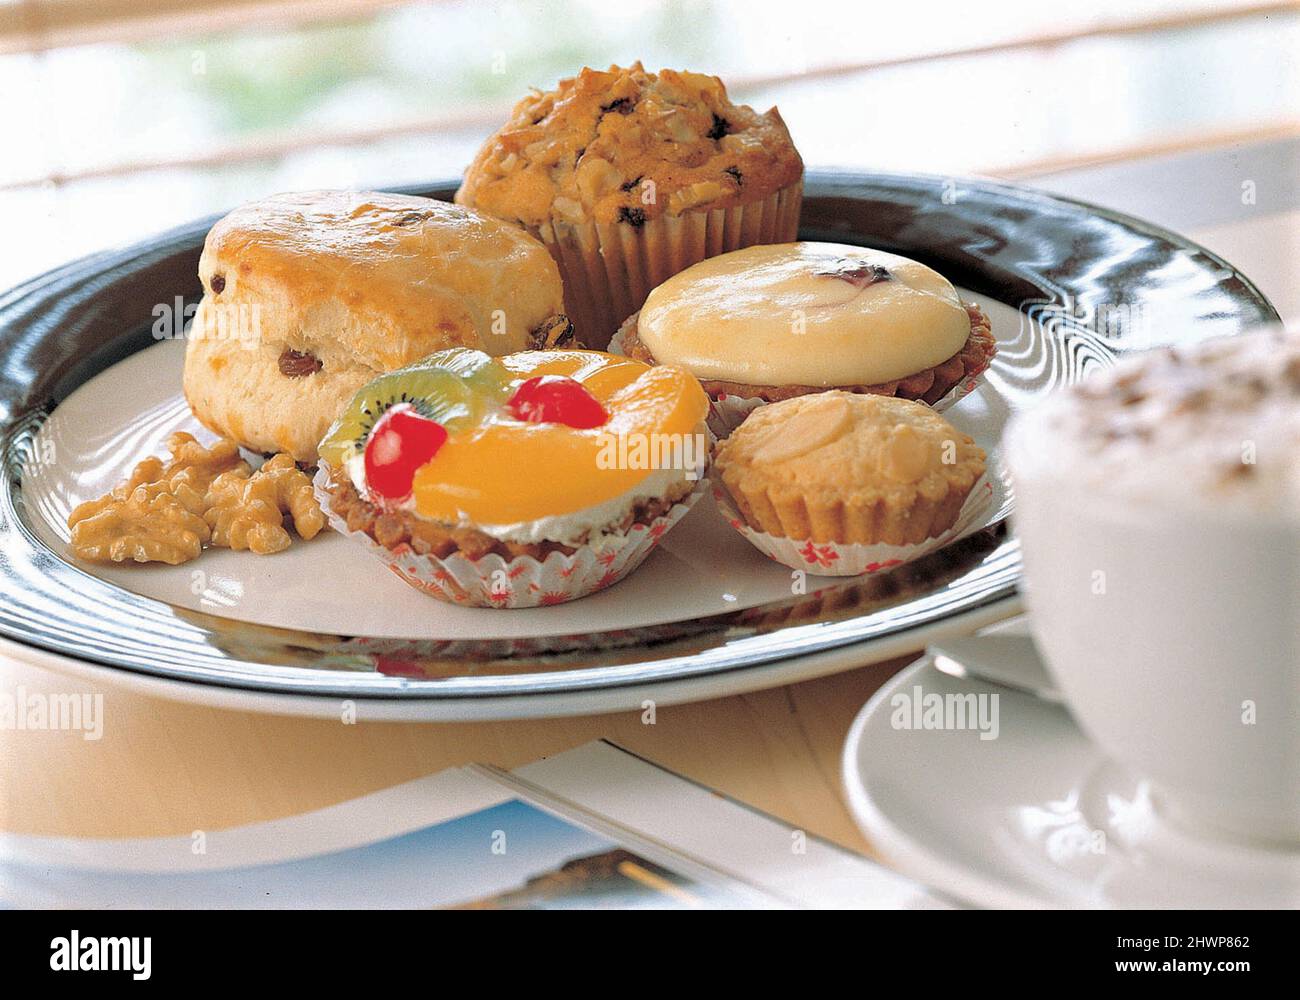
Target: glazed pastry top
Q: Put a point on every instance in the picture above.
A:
(377, 280)
(816, 314)
(310, 295)
(624, 146)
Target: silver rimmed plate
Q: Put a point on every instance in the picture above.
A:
(86, 388)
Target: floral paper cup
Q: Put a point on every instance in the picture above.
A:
(492, 581)
(840, 484)
(846, 559)
(727, 412)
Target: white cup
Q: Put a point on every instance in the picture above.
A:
(1174, 635)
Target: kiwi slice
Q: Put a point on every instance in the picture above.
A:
(452, 387)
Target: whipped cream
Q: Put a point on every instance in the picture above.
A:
(584, 526)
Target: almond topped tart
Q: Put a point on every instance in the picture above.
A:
(768, 323)
(530, 479)
(841, 483)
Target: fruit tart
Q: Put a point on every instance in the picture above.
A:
(524, 480)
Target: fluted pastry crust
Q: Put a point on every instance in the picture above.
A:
(849, 468)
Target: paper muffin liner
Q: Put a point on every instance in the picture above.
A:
(609, 268)
(493, 581)
(847, 559)
(727, 412)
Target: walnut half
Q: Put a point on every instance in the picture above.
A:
(167, 511)
(157, 514)
(149, 524)
(247, 511)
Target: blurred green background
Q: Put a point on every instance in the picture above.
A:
(123, 118)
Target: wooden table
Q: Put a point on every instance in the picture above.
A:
(167, 768)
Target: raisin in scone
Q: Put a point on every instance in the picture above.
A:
(629, 176)
(309, 296)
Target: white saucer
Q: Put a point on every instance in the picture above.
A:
(1036, 817)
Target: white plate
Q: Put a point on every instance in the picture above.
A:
(1036, 817)
(705, 616)
(332, 585)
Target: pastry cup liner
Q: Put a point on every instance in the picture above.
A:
(849, 559)
(608, 269)
(493, 581)
(727, 412)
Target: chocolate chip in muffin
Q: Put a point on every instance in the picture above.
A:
(720, 127)
(218, 284)
(623, 106)
(634, 217)
(735, 174)
(553, 334)
(295, 364)
(856, 272)
(630, 185)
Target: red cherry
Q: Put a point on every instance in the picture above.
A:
(400, 443)
(556, 399)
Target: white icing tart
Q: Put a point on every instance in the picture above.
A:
(818, 314)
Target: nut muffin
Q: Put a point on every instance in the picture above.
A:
(848, 468)
(308, 296)
(773, 322)
(629, 176)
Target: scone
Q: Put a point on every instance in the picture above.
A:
(531, 479)
(629, 176)
(849, 468)
(308, 296)
(773, 322)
